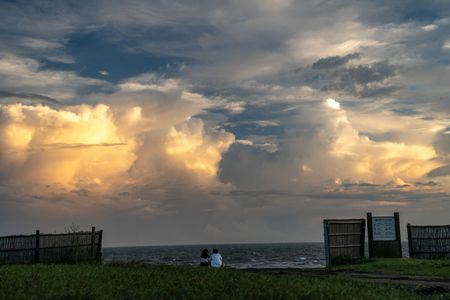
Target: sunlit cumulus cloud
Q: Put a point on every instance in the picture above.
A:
(73, 147)
(197, 150)
(331, 103)
(324, 146)
(373, 161)
(106, 149)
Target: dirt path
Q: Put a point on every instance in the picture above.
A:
(423, 284)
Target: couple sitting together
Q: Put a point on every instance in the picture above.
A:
(215, 260)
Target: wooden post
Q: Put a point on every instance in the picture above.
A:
(99, 245)
(410, 245)
(370, 233)
(36, 248)
(93, 255)
(362, 239)
(397, 232)
(326, 242)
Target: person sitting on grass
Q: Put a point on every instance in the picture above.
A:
(204, 258)
(216, 259)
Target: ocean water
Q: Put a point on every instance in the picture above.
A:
(286, 255)
(283, 255)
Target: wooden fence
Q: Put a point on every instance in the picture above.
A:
(74, 247)
(429, 241)
(344, 239)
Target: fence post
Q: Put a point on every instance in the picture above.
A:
(93, 243)
(99, 245)
(363, 238)
(370, 233)
(36, 248)
(326, 242)
(410, 245)
(397, 231)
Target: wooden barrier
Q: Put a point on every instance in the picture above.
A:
(429, 241)
(344, 239)
(51, 248)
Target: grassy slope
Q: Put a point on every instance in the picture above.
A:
(406, 266)
(137, 281)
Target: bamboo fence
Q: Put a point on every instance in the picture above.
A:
(344, 239)
(429, 241)
(83, 246)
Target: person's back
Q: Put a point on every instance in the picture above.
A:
(216, 259)
(204, 258)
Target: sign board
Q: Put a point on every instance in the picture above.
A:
(384, 235)
(383, 229)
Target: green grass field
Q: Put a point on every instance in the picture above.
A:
(405, 266)
(138, 281)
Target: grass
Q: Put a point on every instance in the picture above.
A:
(405, 266)
(139, 281)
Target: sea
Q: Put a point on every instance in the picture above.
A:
(280, 255)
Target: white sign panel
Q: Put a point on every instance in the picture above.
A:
(383, 228)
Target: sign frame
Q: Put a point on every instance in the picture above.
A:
(384, 243)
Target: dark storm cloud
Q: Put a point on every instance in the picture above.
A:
(441, 171)
(442, 145)
(370, 92)
(359, 80)
(398, 11)
(4, 95)
(364, 74)
(427, 183)
(442, 141)
(333, 61)
(81, 192)
(405, 111)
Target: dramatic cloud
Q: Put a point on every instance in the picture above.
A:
(326, 146)
(108, 148)
(222, 121)
(74, 147)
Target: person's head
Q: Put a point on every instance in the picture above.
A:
(204, 253)
(215, 251)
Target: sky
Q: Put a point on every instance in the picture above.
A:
(185, 122)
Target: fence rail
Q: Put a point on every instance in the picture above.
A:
(429, 241)
(344, 238)
(51, 248)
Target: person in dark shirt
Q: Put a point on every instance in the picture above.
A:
(204, 258)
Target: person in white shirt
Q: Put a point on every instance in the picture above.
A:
(216, 259)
